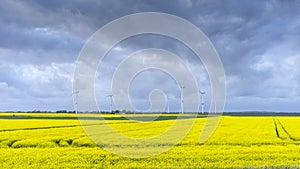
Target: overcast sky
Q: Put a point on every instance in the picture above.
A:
(258, 43)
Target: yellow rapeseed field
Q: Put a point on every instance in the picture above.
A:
(58, 141)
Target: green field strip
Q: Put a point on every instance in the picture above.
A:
(138, 117)
(24, 117)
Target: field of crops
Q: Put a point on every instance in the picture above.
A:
(59, 141)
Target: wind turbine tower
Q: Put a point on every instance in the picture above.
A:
(76, 92)
(168, 104)
(181, 87)
(202, 101)
(111, 102)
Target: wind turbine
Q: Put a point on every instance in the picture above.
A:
(168, 104)
(111, 102)
(215, 107)
(202, 101)
(76, 92)
(181, 87)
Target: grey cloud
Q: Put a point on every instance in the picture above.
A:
(38, 81)
(245, 33)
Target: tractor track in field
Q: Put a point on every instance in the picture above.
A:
(72, 118)
(53, 127)
(276, 128)
(66, 126)
(39, 128)
(277, 124)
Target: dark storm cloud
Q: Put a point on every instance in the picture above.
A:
(55, 30)
(243, 32)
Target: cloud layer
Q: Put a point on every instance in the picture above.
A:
(258, 43)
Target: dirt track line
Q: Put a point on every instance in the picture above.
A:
(39, 128)
(276, 129)
(52, 127)
(288, 134)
